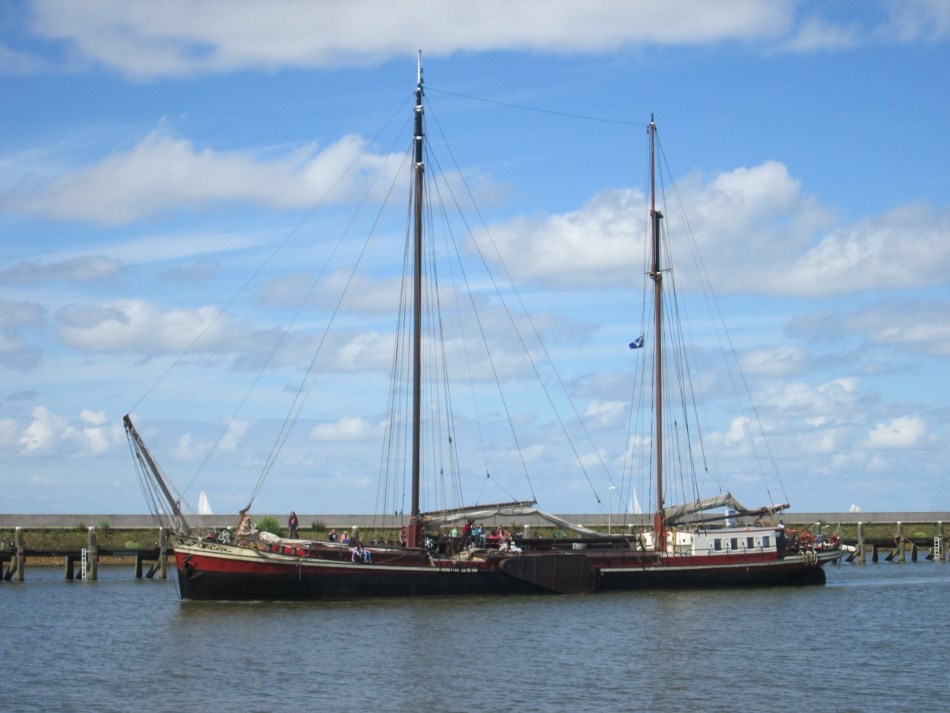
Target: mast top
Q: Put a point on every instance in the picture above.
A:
(419, 69)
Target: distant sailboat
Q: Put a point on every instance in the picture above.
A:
(634, 508)
(204, 507)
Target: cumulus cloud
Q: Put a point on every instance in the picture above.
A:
(604, 413)
(784, 360)
(913, 326)
(51, 434)
(826, 402)
(184, 37)
(899, 433)
(758, 217)
(348, 428)
(163, 173)
(136, 325)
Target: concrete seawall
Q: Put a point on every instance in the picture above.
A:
(67, 521)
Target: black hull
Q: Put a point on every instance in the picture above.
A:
(230, 586)
(670, 578)
(570, 575)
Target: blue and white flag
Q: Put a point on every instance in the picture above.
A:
(637, 343)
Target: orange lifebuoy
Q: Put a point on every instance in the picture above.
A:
(806, 538)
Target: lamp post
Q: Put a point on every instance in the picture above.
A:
(609, 506)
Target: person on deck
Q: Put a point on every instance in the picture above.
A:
(332, 536)
(292, 524)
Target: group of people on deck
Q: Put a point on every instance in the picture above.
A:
(477, 536)
(343, 538)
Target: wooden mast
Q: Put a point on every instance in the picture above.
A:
(418, 175)
(657, 276)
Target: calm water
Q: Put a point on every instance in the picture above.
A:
(874, 639)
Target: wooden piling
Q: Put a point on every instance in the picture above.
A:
(940, 543)
(862, 552)
(93, 561)
(162, 557)
(901, 557)
(20, 553)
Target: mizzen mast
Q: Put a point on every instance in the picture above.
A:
(657, 276)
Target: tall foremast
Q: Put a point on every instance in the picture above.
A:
(418, 176)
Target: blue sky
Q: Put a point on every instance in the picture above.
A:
(154, 155)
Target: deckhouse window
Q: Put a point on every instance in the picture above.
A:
(750, 542)
(734, 543)
(717, 544)
(765, 541)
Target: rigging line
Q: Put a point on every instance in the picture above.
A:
(683, 352)
(391, 433)
(540, 110)
(484, 337)
(453, 459)
(533, 327)
(260, 269)
(678, 340)
(303, 394)
(397, 398)
(639, 381)
(711, 297)
(453, 282)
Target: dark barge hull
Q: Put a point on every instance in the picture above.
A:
(209, 577)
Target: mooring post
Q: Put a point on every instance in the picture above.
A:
(162, 559)
(862, 555)
(93, 555)
(20, 553)
(939, 542)
(900, 542)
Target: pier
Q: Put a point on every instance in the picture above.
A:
(13, 561)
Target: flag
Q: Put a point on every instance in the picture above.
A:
(637, 343)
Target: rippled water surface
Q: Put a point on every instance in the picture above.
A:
(876, 638)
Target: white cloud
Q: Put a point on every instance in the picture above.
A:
(51, 434)
(183, 37)
(828, 401)
(234, 434)
(93, 418)
(43, 433)
(784, 360)
(816, 34)
(914, 326)
(604, 413)
(348, 428)
(899, 433)
(187, 450)
(913, 20)
(163, 173)
(756, 217)
(591, 245)
(908, 247)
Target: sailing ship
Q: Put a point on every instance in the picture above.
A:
(683, 548)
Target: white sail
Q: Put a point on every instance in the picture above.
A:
(204, 507)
